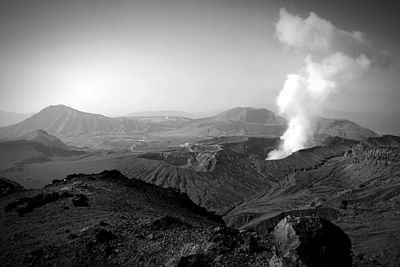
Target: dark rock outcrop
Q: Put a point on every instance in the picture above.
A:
(26, 205)
(168, 222)
(80, 201)
(103, 235)
(8, 187)
(310, 241)
(195, 260)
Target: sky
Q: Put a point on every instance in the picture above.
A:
(118, 57)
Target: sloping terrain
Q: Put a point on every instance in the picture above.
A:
(255, 115)
(245, 121)
(342, 128)
(108, 220)
(215, 180)
(355, 184)
(382, 122)
(10, 118)
(36, 146)
(97, 131)
(8, 187)
(64, 121)
(219, 126)
(42, 137)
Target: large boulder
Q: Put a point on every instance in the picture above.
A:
(80, 200)
(310, 241)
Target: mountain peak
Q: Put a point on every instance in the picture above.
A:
(249, 114)
(59, 107)
(61, 120)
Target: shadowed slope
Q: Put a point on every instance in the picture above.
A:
(107, 219)
(35, 146)
(230, 181)
(355, 184)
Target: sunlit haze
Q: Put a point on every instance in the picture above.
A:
(119, 57)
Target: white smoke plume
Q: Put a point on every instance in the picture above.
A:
(334, 57)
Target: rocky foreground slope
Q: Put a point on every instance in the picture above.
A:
(356, 184)
(107, 219)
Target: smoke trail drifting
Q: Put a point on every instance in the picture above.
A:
(334, 58)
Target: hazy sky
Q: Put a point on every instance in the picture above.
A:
(117, 57)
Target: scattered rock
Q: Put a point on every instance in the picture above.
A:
(275, 261)
(168, 222)
(102, 223)
(80, 200)
(50, 197)
(84, 229)
(104, 236)
(196, 260)
(72, 236)
(37, 252)
(224, 239)
(108, 251)
(150, 236)
(250, 244)
(218, 259)
(25, 208)
(362, 260)
(25, 205)
(311, 241)
(66, 194)
(140, 236)
(343, 204)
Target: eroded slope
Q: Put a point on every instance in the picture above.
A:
(107, 219)
(355, 184)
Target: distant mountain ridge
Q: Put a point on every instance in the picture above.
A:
(342, 128)
(256, 115)
(36, 146)
(176, 113)
(10, 118)
(65, 122)
(161, 113)
(61, 121)
(380, 121)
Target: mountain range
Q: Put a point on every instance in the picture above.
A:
(77, 127)
(351, 176)
(381, 122)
